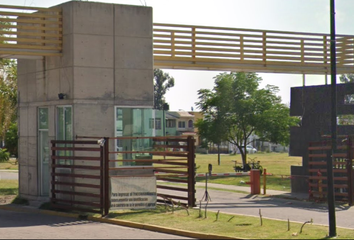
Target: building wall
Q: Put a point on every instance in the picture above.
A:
(313, 105)
(107, 53)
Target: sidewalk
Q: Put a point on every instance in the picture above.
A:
(247, 189)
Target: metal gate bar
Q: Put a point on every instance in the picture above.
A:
(66, 199)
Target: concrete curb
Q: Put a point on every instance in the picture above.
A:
(155, 228)
(118, 222)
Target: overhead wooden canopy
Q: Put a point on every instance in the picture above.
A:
(29, 32)
(234, 49)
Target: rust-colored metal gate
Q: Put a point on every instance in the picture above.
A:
(342, 170)
(78, 180)
(170, 159)
(81, 170)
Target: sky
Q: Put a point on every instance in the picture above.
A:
(285, 15)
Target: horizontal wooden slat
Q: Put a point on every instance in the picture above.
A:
(74, 142)
(285, 50)
(77, 167)
(32, 40)
(171, 196)
(92, 204)
(75, 193)
(319, 155)
(319, 148)
(322, 163)
(175, 154)
(325, 178)
(30, 21)
(325, 185)
(29, 27)
(170, 146)
(86, 149)
(172, 171)
(172, 188)
(22, 53)
(171, 163)
(76, 184)
(52, 9)
(171, 179)
(325, 170)
(75, 175)
(32, 15)
(75, 158)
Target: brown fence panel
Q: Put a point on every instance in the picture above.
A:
(170, 159)
(342, 170)
(78, 181)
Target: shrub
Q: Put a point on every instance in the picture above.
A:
(4, 155)
(11, 140)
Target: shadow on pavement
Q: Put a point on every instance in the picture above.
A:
(12, 218)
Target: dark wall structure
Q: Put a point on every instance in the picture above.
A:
(313, 105)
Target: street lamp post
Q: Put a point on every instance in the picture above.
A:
(330, 154)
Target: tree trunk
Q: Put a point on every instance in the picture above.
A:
(219, 154)
(244, 156)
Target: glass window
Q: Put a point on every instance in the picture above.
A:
(151, 123)
(64, 129)
(190, 123)
(43, 118)
(136, 122)
(181, 124)
(170, 123)
(158, 123)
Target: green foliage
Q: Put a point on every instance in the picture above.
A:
(8, 95)
(4, 155)
(236, 108)
(11, 140)
(162, 83)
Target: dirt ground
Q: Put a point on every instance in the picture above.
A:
(6, 199)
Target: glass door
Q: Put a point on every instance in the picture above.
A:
(64, 129)
(43, 151)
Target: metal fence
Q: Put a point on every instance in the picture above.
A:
(319, 153)
(82, 169)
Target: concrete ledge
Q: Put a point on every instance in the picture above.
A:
(155, 228)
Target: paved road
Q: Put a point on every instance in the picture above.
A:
(8, 175)
(22, 225)
(273, 207)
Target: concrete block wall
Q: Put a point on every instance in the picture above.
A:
(313, 104)
(107, 61)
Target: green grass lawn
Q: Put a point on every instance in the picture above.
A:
(236, 226)
(10, 165)
(277, 164)
(8, 187)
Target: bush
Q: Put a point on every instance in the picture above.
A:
(4, 155)
(11, 140)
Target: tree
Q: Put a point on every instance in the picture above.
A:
(8, 96)
(162, 83)
(240, 109)
(211, 130)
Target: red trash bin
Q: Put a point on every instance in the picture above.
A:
(255, 177)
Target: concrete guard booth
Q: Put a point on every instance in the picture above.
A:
(102, 85)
